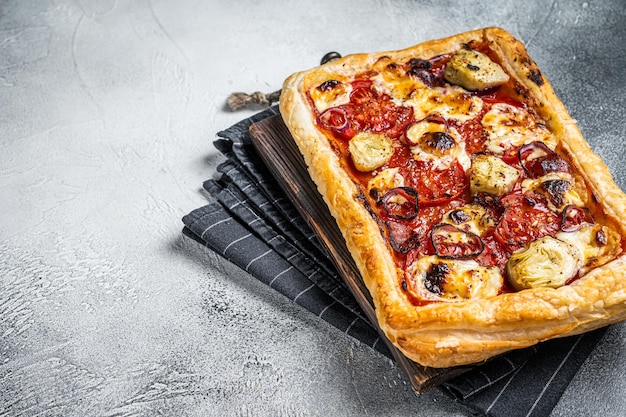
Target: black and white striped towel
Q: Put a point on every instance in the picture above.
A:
(254, 225)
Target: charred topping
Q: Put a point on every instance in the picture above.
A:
(601, 238)
(548, 162)
(416, 63)
(328, 85)
(556, 190)
(423, 75)
(421, 69)
(536, 77)
(405, 287)
(531, 200)
(459, 216)
(554, 163)
(489, 202)
(440, 141)
(435, 278)
(375, 194)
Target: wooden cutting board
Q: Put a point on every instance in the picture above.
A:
(274, 143)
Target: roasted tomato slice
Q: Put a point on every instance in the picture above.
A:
(337, 120)
(439, 186)
(450, 242)
(493, 254)
(402, 237)
(526, 217)
(367, 111)
(574, 217)
(372, 111)
(473, 133)
(511, 157)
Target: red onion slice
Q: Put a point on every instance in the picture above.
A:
(575, 217)
(450, 242)
(400, 203)
(335, 119)
(538, 160)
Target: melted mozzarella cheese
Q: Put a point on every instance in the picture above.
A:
(452, 280)
(385, 180)
(451, 102)
(594, 253)
(569, 196)
(396, 84)
(507, 126)
(471, 218)
(416, 130)
(457, 153)
(325, 98)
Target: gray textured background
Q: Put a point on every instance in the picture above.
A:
(107, 113)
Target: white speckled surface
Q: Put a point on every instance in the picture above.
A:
(107, 113)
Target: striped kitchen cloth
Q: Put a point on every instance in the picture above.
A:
(253, 224)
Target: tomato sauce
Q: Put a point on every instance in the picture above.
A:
(408, 215)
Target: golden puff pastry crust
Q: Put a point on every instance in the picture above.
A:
(432, 327)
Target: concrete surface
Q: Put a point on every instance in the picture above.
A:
(107, 113)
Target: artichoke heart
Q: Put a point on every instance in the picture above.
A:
(492, 175)
(370, 150)
(451, 280)
(546, 262)
(474, 71)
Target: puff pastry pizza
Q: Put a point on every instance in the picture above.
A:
(477, 214)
